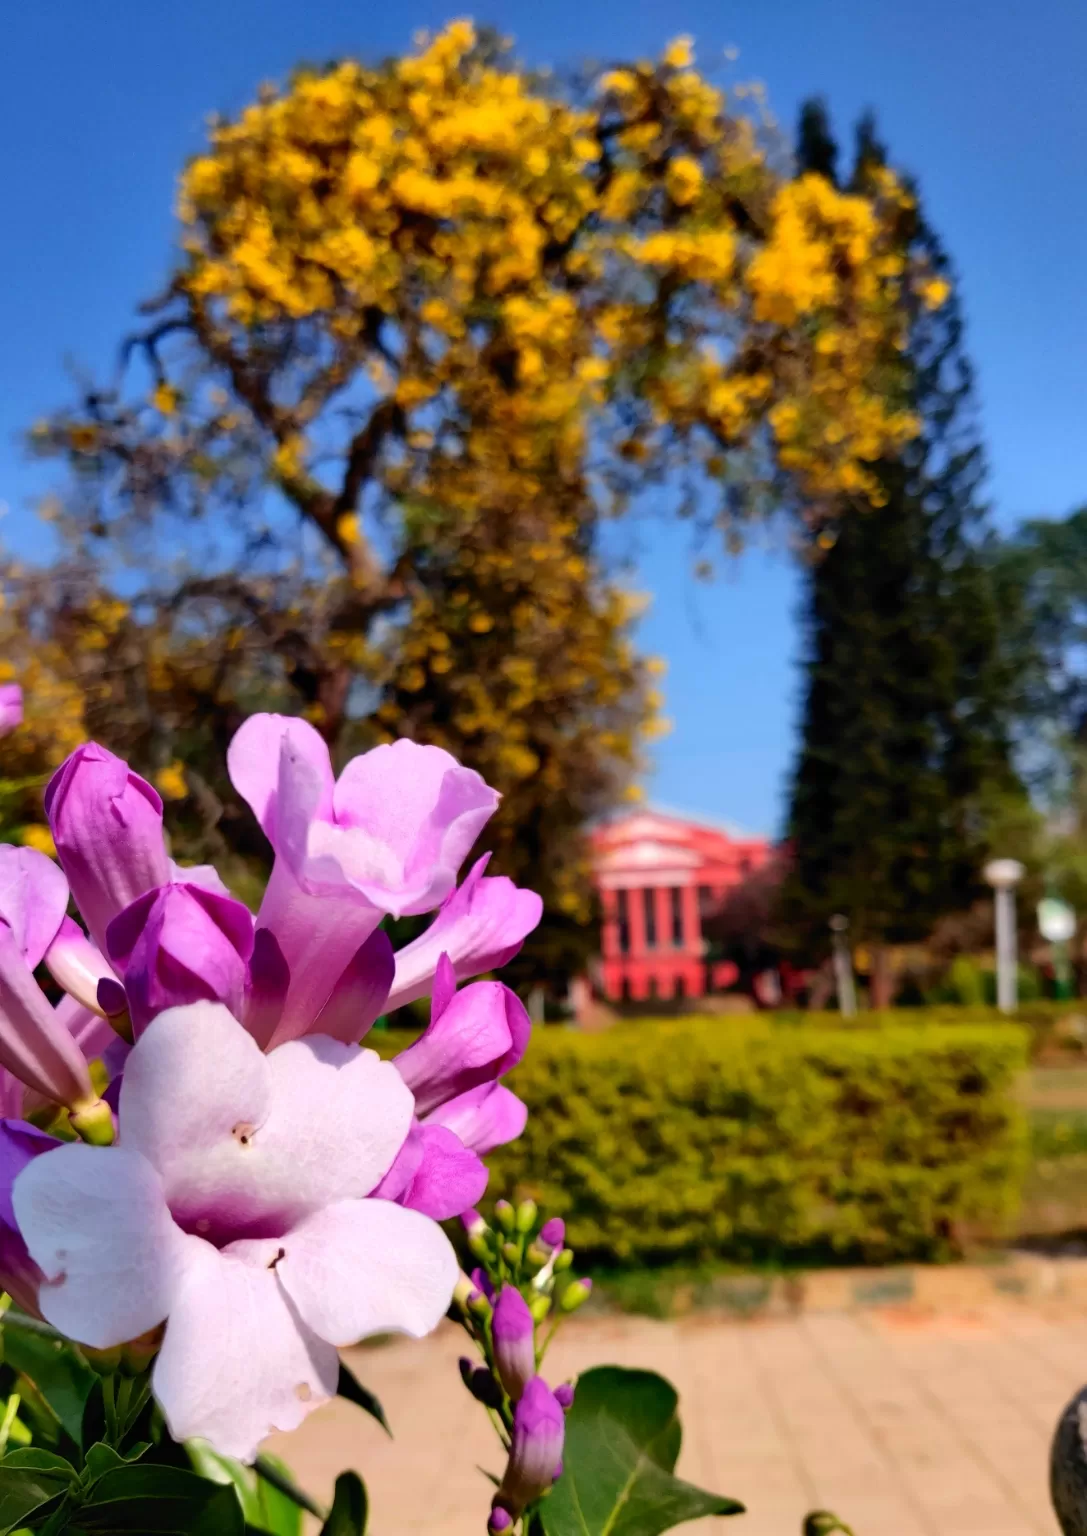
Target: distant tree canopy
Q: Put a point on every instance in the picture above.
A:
(905, 756)
(428, 323)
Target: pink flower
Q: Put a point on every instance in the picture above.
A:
(35, 1047)
(388, 836)
(535, 1459)
(107, 824)
(20, 1143)
(474, 1036)
(11, 707)
(181, 944)
(234, 1210)
(480, 926)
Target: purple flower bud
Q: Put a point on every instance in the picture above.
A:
(482, 1282)
(500, 1522)
(181, 944)
(107, 824)
(514, 1341)
(553, 1233)
(473, 1223)
(539, 1429)
(480, 1383)
(564, 1395)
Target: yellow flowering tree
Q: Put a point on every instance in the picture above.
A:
(429, 322)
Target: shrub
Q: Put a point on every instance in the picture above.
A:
(697, 1139)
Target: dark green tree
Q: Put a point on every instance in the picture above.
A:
(905, 746)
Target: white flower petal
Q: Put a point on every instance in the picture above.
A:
(96, 1221)
(367, 1266)
(237, 1362)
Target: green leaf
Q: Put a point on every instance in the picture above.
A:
(31, 1480)
(62, 1378)
(353, 1390)
(350, 1508)
(159, 1501)
(622, 1440)
(265, 1506)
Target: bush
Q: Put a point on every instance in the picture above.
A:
(696, 1139)
(1057, 1029)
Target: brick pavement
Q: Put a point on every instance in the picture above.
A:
(905, 1423)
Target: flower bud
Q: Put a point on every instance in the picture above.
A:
(575, 1294)
(479, 1247)
(552, 1234)
(564, 1395)
(563, 1259)
(482, 1282)
(514, 1335)
(535, 1450)
(463, 1291)
(479, 1306)
(526, 1216)
(480, 1383)
(539, 1306)
(504, 1215)
(501, 1521)
(536, 1255)
(511, 1252)
(473, 1223)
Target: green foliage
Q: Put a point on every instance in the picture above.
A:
(700, 1139)
(905, 754)
(350, 1508)
(622, 1440)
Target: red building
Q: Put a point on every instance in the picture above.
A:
(658, 875)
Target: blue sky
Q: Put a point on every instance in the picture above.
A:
(99, 104)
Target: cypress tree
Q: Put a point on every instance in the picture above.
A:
(905, 733)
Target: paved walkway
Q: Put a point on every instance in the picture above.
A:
(904, 1424)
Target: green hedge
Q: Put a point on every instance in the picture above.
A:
(696, 1139)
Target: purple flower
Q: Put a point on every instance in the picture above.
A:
(181, 944)
(535, 1458)
(434, 1173)
(388, 836)
(552, 1233)
(107, 824)
(35, 1047)
(358, 998)
(564, 1396)
(480, 926)
(235, 1211)
(514, 1341)
(472, 1039)
(483, 1118)
(20, 1143)
(11, 707)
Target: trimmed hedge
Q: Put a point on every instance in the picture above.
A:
(698, 1138)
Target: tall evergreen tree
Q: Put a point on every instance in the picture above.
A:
(905, 738)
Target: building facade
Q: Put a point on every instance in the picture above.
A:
(659, 875)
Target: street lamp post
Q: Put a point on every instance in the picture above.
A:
(843, 966)
(1004, 875)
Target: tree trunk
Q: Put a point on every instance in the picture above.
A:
(880, 978)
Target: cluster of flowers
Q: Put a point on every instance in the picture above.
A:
(522, 1281)
(197, 1160)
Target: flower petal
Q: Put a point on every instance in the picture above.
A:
(481, 926)
(95, 1219)
(361, 1267)
(408, 815)
(484, 1118)
(359, 996)
(478, 1036)
(253, 762)
(107, 824)
(447, 1179)
(77, 965)
(247, 1144)
(237, 1362)
(34, 1046)
(33, 899)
